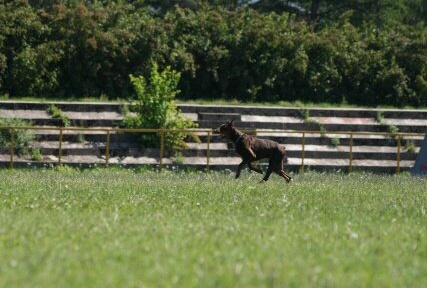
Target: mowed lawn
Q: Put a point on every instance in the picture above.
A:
(124, 228)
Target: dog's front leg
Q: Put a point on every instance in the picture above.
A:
(252, 152)
(239, 169)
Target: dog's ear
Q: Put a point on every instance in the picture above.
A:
(230, 123)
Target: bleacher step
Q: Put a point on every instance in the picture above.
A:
(324, 151)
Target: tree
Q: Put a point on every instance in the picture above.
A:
(25, 58)
(378, 12)
(157, 109)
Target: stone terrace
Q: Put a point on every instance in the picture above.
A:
(329, 150)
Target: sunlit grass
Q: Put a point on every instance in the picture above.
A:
(123, 228)
(296, 104)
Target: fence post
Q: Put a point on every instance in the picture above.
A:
(398, 154)
(208, 153)
(60, 146)
(12, 147)
(302, 152)
(350, 164)
(107, 149)
(162, 147)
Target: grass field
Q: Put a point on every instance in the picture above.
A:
(123, 228)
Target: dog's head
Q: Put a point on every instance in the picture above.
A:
(225, 130)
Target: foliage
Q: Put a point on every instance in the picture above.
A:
(304, 114)
(36, 154)
(156, 108)
(379, 117)
(121, 228)
(21, 138)
(354, 51)
(57, 113)
(392, 130)
(410, 146)
(334, 142)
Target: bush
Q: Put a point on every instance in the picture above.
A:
(89, 49)
(57, 113)
(22, 137)
(156, 109)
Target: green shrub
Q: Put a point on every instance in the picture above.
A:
(322, 128)
(392, 130)
(57, 113)
(335, 141)
(379, 117)
(156, 109)
(304, 114)
(88, 49)
(410, 146)
(36, 154)
(22, 137)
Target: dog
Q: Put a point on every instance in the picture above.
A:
(251, 149)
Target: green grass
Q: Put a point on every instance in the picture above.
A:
(297, 104)
(124, 228)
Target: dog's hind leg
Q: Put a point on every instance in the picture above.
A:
(279, 170)
(286, 176)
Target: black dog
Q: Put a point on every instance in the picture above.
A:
(251, 149)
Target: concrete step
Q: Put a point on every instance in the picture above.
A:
(219, 117)
(77, 119)
(43, 114)
(75, 122)
(64, 106)
(220, 109)
(327, 127)
(313, 112)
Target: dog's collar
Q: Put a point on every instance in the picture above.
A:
(238, 139)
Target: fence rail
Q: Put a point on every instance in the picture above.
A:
(208, 132)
